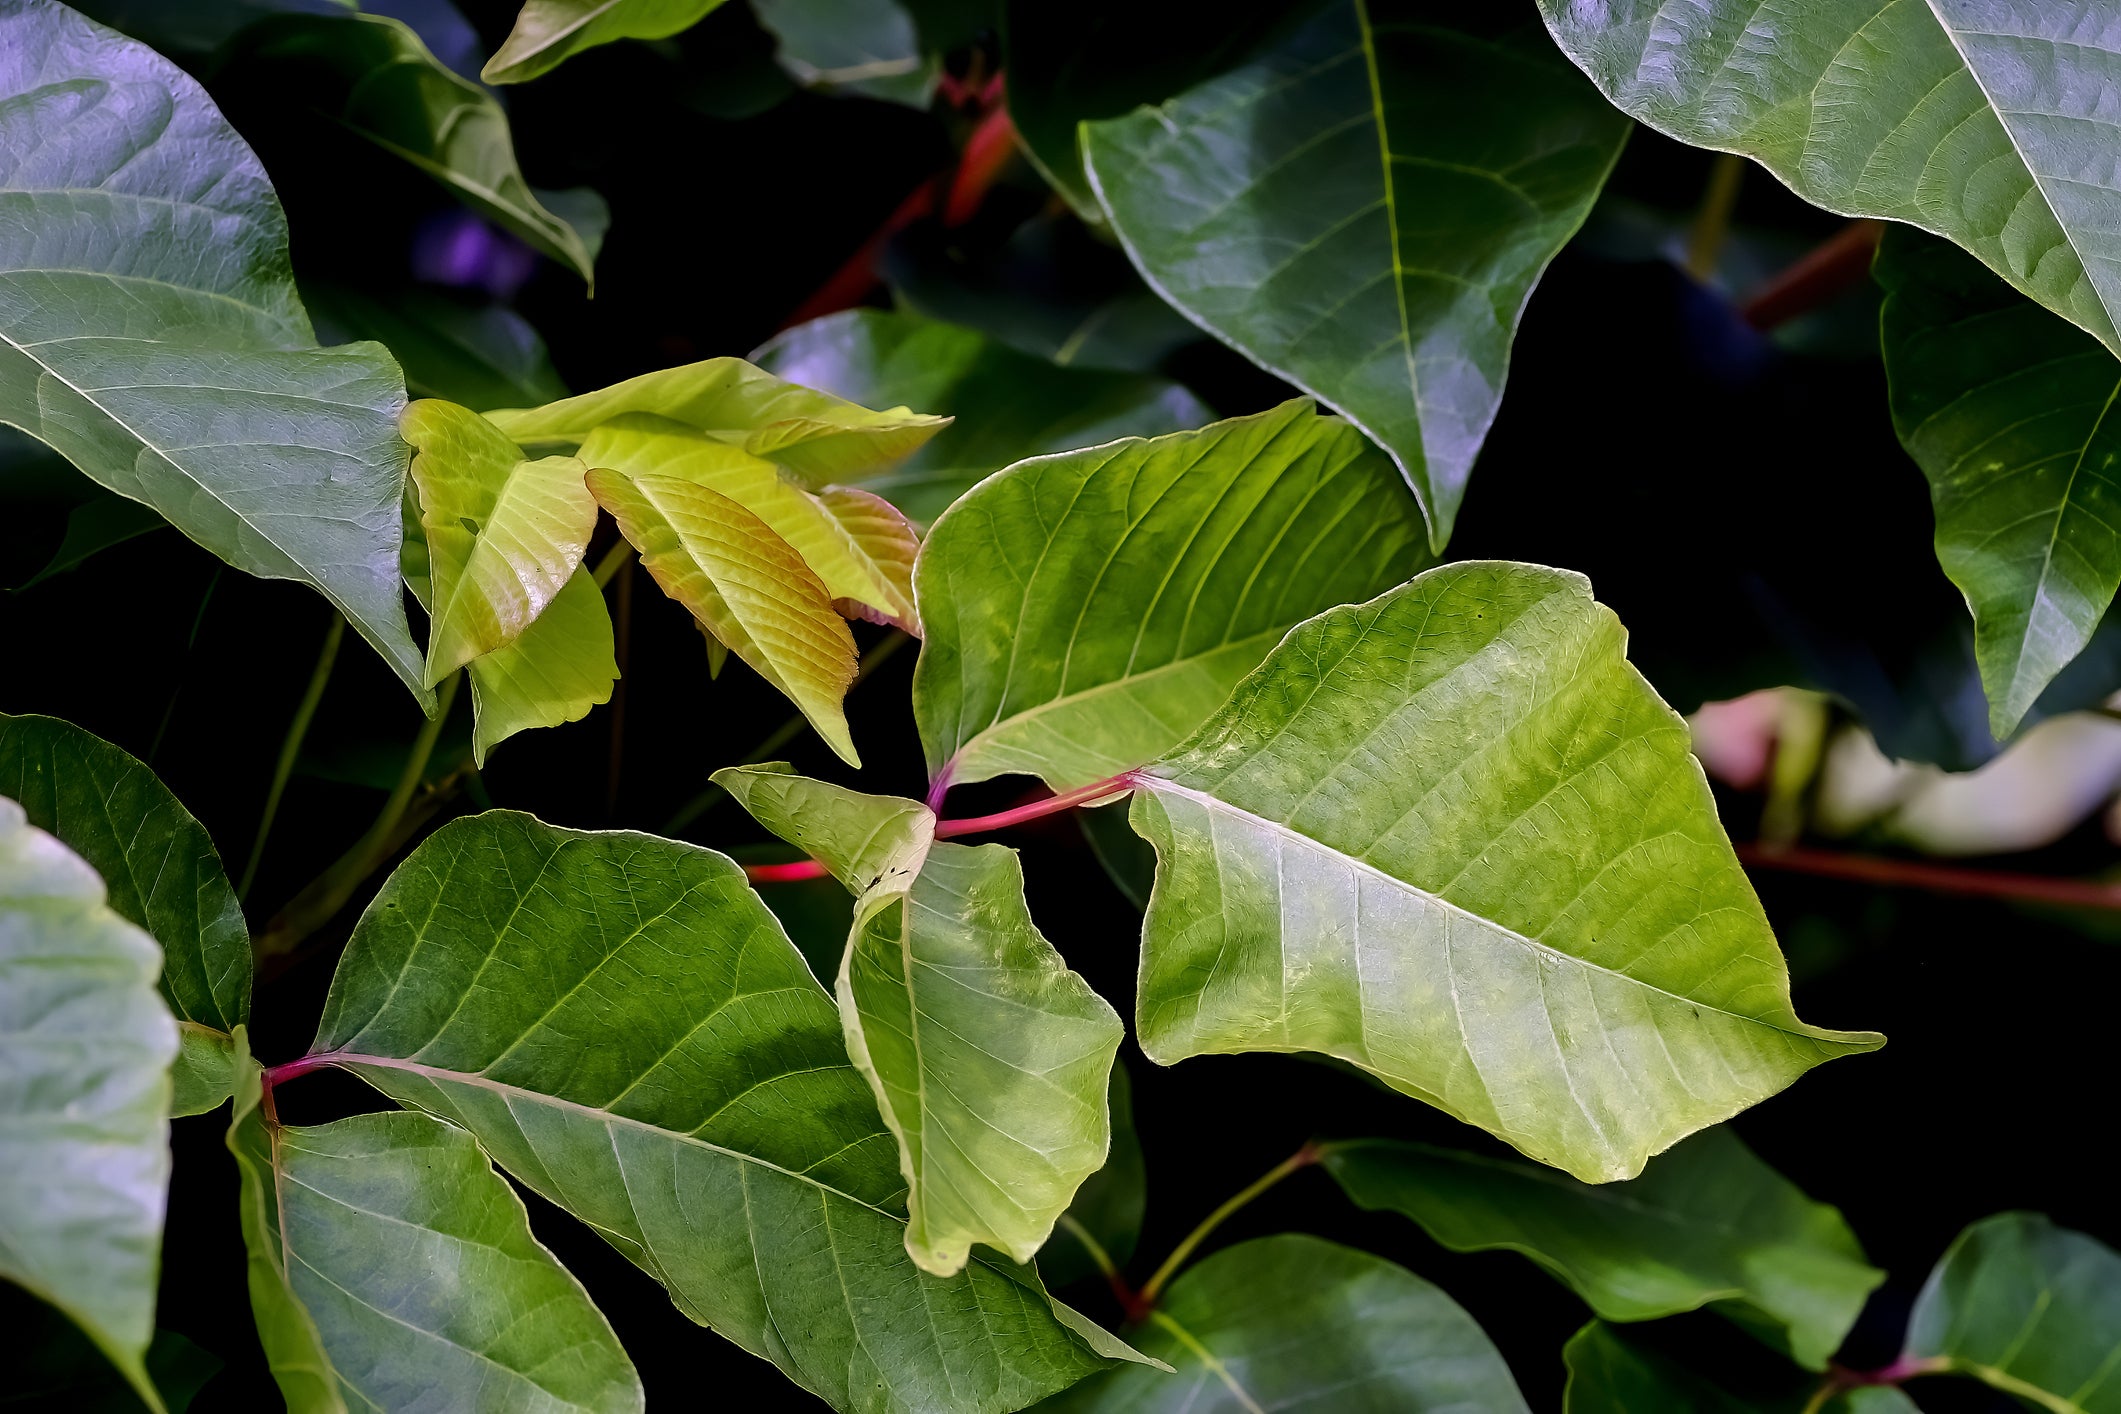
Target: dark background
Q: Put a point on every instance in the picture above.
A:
(1741, 502)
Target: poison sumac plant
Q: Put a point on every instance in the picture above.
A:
(1418, 817)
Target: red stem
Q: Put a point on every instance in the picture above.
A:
(1052, 805)
(1815, 278)
(1938, 878)
(784, 873)
(301, 1065)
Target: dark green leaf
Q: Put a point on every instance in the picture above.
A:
(53, 1366)
(662, 1065)
(85, 1049)
(94, 525)
(1292, 1322)
(483, 356)
(1109, 1205)
(1126, 856)
(869, 47)
(192, 384)
(1707, 1224)
(1364, 211)
(1610, 1374)
(1085, 611)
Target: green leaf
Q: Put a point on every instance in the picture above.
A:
(191, 384)
(1363, 211)
(746, 586)
(816, 436)
(1979, 120)
(564, 664)
(53, 1366)
(869, 47)
(1451, 837)
(503, 535)
(392, 1268)
(94, 526)
(85, 1050)
(662, 1065)
(162, 873)
(1109, 1205)
(548, 31)
(1293, 1322)
(205, 1070)
(2028, 1307)
(2008, 411)
(373, 75)
(1611, 1374)
(1707, 1224)
(1025, 406)
(481, 355)
(988, 1057)
(1084, 612)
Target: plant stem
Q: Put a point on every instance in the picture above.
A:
(1303, 1158)
(1082, 795)
(1713, 222)
(1825, 271)
(1937, 878)
(622, 648)
(617, 556)
(784, 873)
(292, 746)
(1840, 1379)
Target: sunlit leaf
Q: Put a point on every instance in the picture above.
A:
(502, 534)
(1293, 1322)
(1707, 1224)
(2029, 1307)
(150, 330)
(1980, 120)
(663, 1066)
(2007, 409)
(1363, 211)
(745, 585)
(989, 1058)
(1021, 406)
(483, 356)
(392, 1268)
(564, 664)
(1110, 1203)
(1451, 837)
(548, 31)
(85, 1049)
(886, 546)
(1085, 611)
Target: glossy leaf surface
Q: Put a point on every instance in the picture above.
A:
(2009, 410)
(1363, 211)
(392, 1268)
(1452, 837)
(548, 31)
(988, 1057)
(1984, 121)
(662, 1065)
(150, 330)
(1707, 1223)
(1085, 611)
(744, 584)
(2029, 1307)
(85, 1049)
(502, 534)
(564, 664)
(1023, 406)
(1296, 1323)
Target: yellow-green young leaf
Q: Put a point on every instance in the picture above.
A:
(564, 664)
(548, 31)
(503, 534)
(85, 1050)
(815, 435)
(392, 1268)
(745, 585)
(856, 555)
(1085, 611)
(1452, 837)
(988, 1057)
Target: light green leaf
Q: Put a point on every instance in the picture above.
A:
(1983, 121)
(85, 1050)
(869, 47)
(745, 585)
(548, 31)
(1085, 611)
(859, 548)
(205, 1070)
(503, 535)
(1293, 1322)
(1364, 211)
(1108, 1207)
(814, 435)
(2009, 411)
(392, 1268)
(1451, 837)
(483, 356)
(1707, 1224)
(191, 384)
(372, 74)
(162, 873)
(2030, 1308)
(564, 664)
(988, 1057)
(1024, 406)
(662, 1065)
